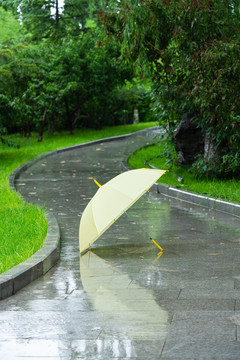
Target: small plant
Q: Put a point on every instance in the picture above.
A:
(226, 166)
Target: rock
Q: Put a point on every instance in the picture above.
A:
(189, 140)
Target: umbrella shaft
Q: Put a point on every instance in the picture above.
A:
(145, 232)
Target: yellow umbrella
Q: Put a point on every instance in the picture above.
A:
(111, 201)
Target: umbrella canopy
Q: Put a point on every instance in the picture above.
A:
(111, 201)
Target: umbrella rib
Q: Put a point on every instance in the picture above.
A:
(114, 220)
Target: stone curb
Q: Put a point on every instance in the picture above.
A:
(200, 200)
(38, 264)
(45, 258)
(195, 199)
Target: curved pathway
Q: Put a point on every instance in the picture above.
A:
(122, 301)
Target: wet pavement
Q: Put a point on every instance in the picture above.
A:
(123, 301)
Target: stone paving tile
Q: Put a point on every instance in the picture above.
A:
(169, 280)
(237, 305)
(198, 305)
(108, 358)
(78, 304)
(50, 324)
(201, 350)
(34, 357)
(197, 326)
(30, 348)
(107, 349)
(237, 283)
(209, 294)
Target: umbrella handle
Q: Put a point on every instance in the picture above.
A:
(96, 182)
(157, 244)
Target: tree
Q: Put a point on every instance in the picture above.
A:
(9, 28)
(10, 33)
(192, 50)
(86, 71)
(58, 79)
(75, 15)
(46, 18)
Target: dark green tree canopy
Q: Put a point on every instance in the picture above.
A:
(192, 49)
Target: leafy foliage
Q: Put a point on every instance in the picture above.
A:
(9, 28)
(62, 72)
(192, 50)
(225, 189)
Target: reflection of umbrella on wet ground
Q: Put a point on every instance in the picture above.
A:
(130, 310)
(111, 201)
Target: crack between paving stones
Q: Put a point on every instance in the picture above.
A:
(162, 349)
(179, 294)
(130, 284)
(99, 334)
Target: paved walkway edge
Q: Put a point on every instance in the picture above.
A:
(200, 200)
(195, 199)
(45, 258)
(37, 265)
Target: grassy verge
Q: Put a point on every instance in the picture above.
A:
(23, 227)
(220, 189)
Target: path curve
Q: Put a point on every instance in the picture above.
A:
(122, 301)
(44, 259)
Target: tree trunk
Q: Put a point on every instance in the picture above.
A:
(210, 150)
(42, 123)
(69, 117)
(51, 126)
(77, 116)
(27, 128)
(57, 14)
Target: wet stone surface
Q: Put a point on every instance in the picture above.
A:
(123, 301)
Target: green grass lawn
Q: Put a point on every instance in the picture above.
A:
(23, 227)
(220, 189)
